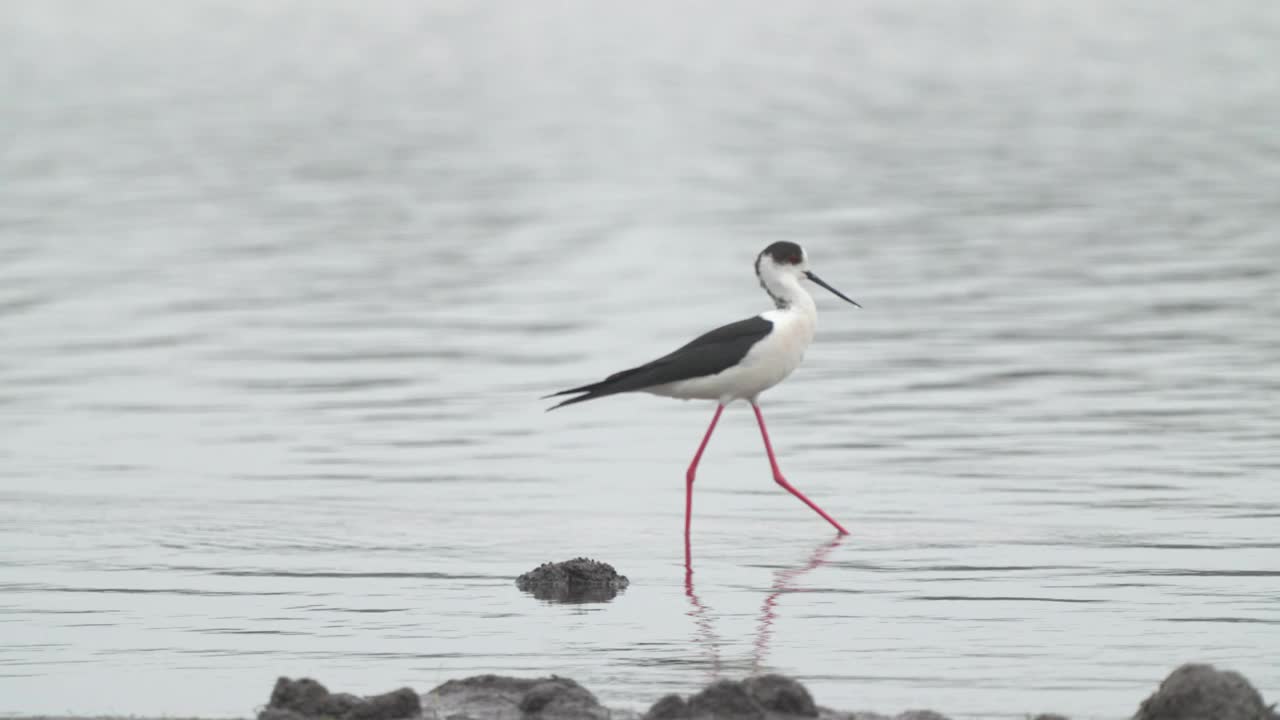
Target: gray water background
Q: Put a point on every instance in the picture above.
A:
(281, 283)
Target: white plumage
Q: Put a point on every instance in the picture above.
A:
(770, 360)
(737, 361)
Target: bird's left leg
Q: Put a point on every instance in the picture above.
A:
(778, 477)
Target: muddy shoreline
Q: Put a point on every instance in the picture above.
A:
(1191, 692)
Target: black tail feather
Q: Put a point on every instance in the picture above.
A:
(629, 380)
(588, 392)
(581, 398)
(612, 385)
(571, 391)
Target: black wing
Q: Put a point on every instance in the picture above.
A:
(707, 354)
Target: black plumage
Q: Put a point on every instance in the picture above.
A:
(787, 253)
(708, 354)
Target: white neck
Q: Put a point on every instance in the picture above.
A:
(788, 292)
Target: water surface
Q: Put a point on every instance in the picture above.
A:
(281, 282)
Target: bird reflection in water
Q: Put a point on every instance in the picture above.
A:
(784, 580)
(706, 636)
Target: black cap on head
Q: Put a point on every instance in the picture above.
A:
(783, 252)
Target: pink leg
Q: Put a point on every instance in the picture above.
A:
(778, 478)
(688, 484)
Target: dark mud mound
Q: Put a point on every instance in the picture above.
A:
(756, 698)
(575, 581)
(1202, 692)
(766, 697)
(306, 698)
(495, 697)
(1192, 692)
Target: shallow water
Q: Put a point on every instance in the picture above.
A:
(280, 285)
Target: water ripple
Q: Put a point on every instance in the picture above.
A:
(277, 316)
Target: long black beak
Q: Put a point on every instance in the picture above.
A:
(837, 293)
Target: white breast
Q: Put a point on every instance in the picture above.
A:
(771, 360)
(768, 363)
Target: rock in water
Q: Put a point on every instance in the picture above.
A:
(781, 694)
(668, 707)
(495, 697)
(580, 580)
(764, 697)
(306, 698)
(1202, 692)
(725, 699)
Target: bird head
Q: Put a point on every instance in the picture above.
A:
(783, 261)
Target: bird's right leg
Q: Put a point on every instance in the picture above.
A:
(688, 485)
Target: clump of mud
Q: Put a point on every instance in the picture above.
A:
(495, 697)
(580, 580)
(306, 698)
(764, 697)
(757, 698)
(1193, 692)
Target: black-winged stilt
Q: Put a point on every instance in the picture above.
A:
(735, 362)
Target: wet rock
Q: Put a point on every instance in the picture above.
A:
(562, 698)
(495, 697)
(781, 694)
(828, 714)
(725, 699)
(402, 703)
(580, 580)
(908, 715)
(669, 707)
(764, 697)
(306, 698)
(1202, 692)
